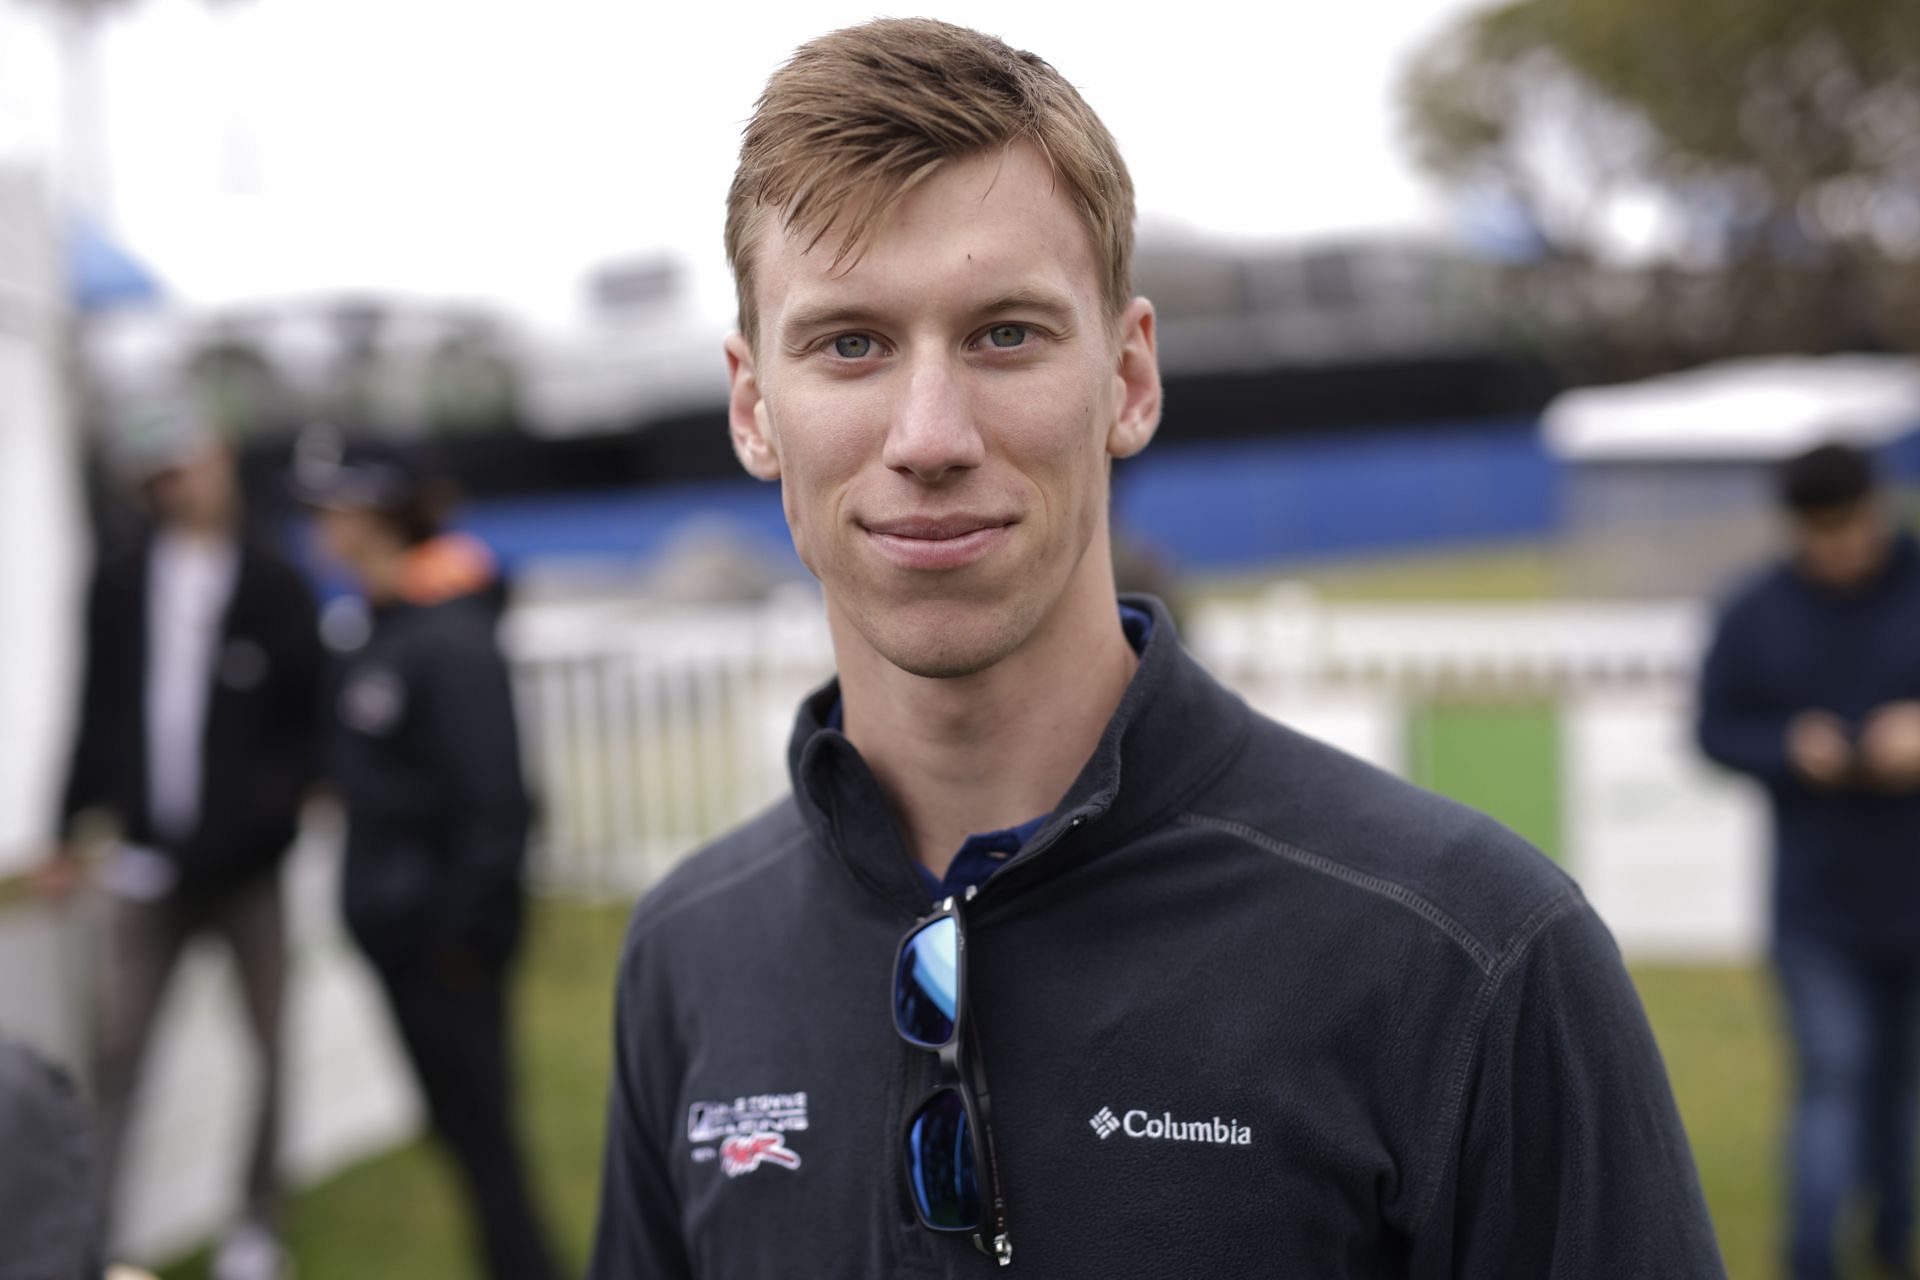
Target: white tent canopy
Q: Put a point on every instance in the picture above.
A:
(1741, 410)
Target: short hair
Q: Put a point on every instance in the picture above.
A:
(1826, 479)
(857, 118)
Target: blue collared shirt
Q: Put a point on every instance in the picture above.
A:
(985, 853)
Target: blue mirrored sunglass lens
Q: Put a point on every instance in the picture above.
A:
(926, 988)
(940, 1164)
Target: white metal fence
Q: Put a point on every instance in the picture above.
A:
(1289, 638)
(650, 731)
(1671, 851)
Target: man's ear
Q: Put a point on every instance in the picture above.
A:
(747, 413)
(1137, 375)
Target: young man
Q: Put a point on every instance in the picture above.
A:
(426, 755)
(1812, 686)
(197, 735)
(1206, 998)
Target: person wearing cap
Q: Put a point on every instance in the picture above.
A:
(1812, 687)
(426, 757)
(197, 736)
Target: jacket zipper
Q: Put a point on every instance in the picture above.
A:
(1014, 869)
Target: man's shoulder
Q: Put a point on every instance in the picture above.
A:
(1759, 590)
(122, 563)
(1390, 846)
(720, 877)
(457, 632)
(264, 565)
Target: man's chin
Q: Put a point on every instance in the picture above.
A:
(945, 640)
(948, 664)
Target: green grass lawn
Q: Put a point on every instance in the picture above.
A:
(1504, 571)
(1719, 1033)
(395, 1217)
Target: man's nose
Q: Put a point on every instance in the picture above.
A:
(931, 432)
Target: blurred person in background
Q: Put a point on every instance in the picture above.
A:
(426, 757)
(1248, 1006)
(1812, 686)
(49, 1205)
(197, 736)
(50, 1219)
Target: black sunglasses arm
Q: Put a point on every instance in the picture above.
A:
(1000, 1246)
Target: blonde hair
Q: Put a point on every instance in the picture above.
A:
(856, 119)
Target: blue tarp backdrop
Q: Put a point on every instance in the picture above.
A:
(1213, 507)
(1203, 507)
(101, 274)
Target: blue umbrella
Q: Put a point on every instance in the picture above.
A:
(101, 274)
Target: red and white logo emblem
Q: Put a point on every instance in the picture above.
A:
(744, 1153)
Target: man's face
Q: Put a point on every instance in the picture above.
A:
(942, 415)
(350, 537)
(197, 492)
(1843, 548)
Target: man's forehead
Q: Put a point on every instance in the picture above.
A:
(979, 228)
(969, 281)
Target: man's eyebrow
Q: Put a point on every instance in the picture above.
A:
(1055, 306)
(1049, 304)
(826, 315)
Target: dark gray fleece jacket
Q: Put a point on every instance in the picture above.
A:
(1248, 1007)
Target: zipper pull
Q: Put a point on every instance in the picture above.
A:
(1002, 1250)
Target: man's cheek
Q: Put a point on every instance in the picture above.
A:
(792, 505)
(810, 526)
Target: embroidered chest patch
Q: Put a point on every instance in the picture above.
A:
(748, 1152)
(747, 1133)
(373, 702)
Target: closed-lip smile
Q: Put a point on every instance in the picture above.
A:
(937, 542)
(934, 528)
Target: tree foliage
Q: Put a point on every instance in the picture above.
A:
(1766, 152)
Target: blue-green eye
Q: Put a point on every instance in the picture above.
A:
(852, 346)
(1007, 335)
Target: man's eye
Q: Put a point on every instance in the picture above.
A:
(852, 346)
(1007, 335)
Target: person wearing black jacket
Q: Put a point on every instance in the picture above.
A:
(426, 757)
(49, 1213)
(1058, 957)
(1812, 687)
(197, 735)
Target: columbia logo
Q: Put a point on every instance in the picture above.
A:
(1106, 1124)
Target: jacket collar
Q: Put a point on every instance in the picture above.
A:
(1904, 559)
(1901, 567)
(1174, 729)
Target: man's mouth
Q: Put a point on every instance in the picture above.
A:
(937, 542)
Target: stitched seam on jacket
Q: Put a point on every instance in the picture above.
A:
(1204, 778)
(1517, 949)
(1453, 929)
(638, 931)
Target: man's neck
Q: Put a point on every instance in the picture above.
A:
(994, 749)
(211, 531)
(382, 575)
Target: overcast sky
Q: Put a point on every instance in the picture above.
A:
(499, 149)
